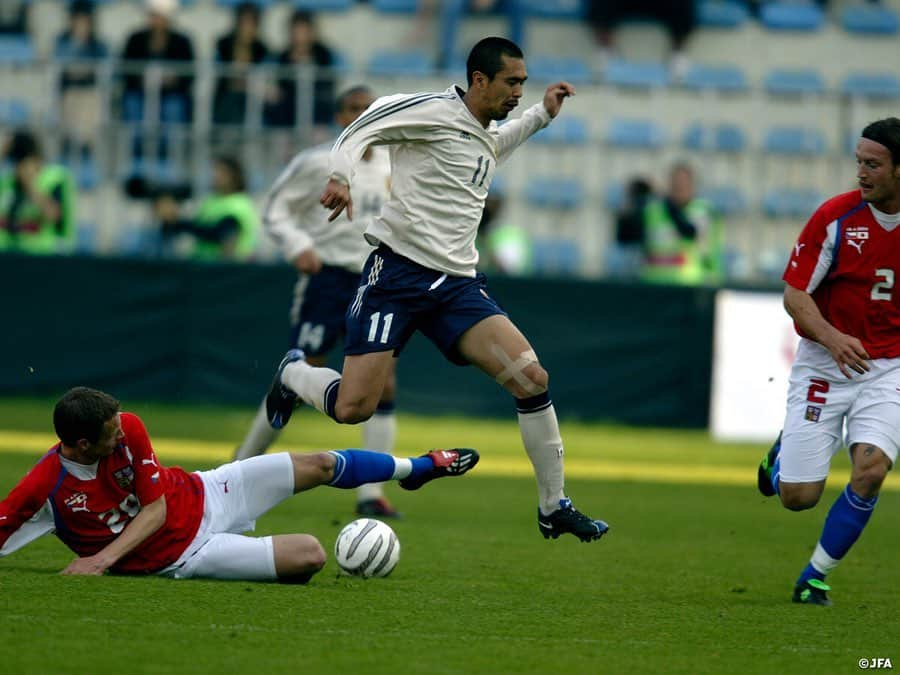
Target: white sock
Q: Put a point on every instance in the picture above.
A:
(402, 468)
(259, 438)
(540, 434)
(379, 432)
(309, 383)
(823, 562)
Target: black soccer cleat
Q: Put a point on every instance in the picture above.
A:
(377, 508)
(569, 519)
(812, 592)
(764, 472)
(453, 462)
(281, 401)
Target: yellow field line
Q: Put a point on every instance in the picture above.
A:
(24, 442)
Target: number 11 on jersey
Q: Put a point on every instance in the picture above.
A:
(374, 320)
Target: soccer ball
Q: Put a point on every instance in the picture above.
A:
(367, 548)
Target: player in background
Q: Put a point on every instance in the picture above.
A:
(108, 498)
(329, 258)
(444, 148)
(840, 290)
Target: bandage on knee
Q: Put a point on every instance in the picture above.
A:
(515, 370)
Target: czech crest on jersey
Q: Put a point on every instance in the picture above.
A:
(124, 477)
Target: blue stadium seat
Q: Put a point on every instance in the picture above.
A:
(401, 64)
(614, 195)
(324, 5)
(395, 6)
(794, 140)
(728, 200)
(726, 79)
(234, 3)
(564, 131)
(721, 14)
(549, 192)
(553, 68)
(637, 74)
(791, 16)
(883, 85)
(870, 19)
(14, 112)
(85, 238)
(556, 256)
(791, 202)
(635, 133)
(555, 9)
(725, 137)
(87, 175)
(16, 50)
(794, 82)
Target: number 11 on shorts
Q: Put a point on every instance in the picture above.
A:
(374, 320)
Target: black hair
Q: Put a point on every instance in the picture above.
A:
(487, 56)
(81, 7)
(250, 8)
(886, 132)
(22, 145)
(341, 99)
(233, 165)
(81, 413)
(302, 16)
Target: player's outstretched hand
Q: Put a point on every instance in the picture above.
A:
(848, 353)
(90, 566)
(554, 96)
(337, 197)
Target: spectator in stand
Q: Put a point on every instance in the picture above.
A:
(304, 49)
(237, 52)
(147, 53)
(37, 201)
(679, 17)
(13, 17)
(225, 226)
(625, 256)
(79, 53)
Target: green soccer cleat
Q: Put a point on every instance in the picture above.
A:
(764, 473)
(812, 592)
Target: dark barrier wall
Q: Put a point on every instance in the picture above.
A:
(173, 331)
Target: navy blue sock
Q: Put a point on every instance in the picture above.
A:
(358, 467)
(533, 403)
(331, 394)
(810, 572)
(385, 408)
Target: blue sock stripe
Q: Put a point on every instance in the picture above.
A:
(858, 502)
(385, 408)
(339, 467)
(534, 403)
(331, 394)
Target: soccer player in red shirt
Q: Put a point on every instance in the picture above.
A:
(840, 291)
(107, 497)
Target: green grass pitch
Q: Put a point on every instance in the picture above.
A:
(694, 577)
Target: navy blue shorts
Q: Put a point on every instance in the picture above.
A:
(320, 304)
(398, 297)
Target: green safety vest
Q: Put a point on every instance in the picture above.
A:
(515, 246)
(217, 208)
(33, 234)
(672, 259)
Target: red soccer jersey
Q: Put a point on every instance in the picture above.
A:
(90, 512)
(847, 261)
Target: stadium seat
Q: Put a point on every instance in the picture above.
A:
(728, 200)
(549, 192)
(721, 14)
(564, 131)
(395, 6)
(553, 68)
(556, 256)
(883, 85)
(794, 140)
(726, 79)
(791, 16)
(791, 202)
(725, 137)
(86, 238)
(401, 64)
(614, 195)
(637, 74)
(324, 5)
(230, 4)
(635, 133)
(16, 50)
(870, 19)
(794, 82)
(14, 112)
(554, 9)
(87, 176)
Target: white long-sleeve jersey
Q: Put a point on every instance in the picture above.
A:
(442, 164)
(296, 221)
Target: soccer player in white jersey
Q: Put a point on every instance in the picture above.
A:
(840, 291)
(328, 257)
(444, 149)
